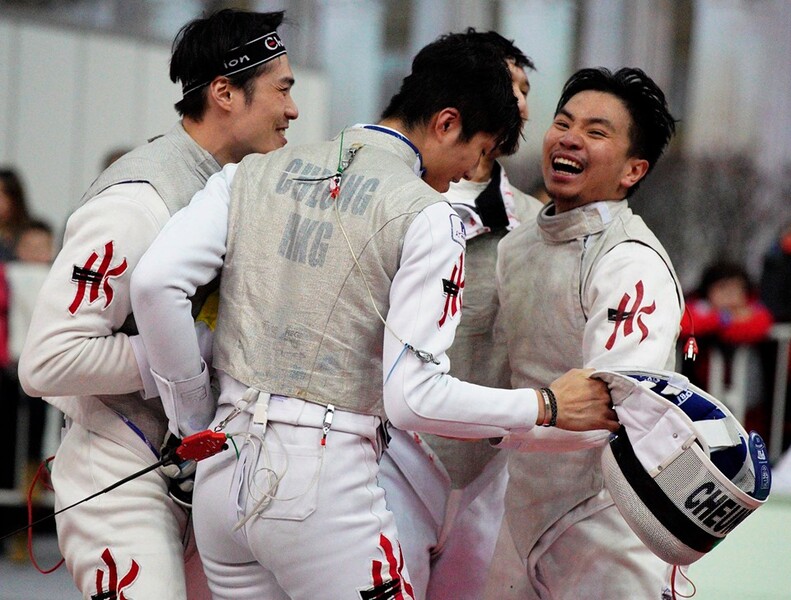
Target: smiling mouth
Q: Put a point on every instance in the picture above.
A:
(566, 165)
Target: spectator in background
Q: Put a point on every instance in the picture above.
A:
(776, 276)
(35, 243)
(776, 295)
(35, 250)
(20, 282)
(13, 211)
(725, 314)
(725, 309)
(13, 216)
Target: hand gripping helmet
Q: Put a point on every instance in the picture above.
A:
(681, 469)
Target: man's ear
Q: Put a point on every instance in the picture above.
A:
(446, 124)
(221, 93)
(635, 170)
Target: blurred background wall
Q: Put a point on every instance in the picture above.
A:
(79, 78)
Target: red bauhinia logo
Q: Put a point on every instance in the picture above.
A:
(628, 316)
(388, 578)
(93, 280)
(115, 587)
(452, 289)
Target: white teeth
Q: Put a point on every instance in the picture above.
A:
(566, 161)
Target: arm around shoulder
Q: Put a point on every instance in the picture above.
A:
(187, 254)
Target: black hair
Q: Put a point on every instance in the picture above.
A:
(38, 225)
(201, 44)
(11, 185)
(652, 124)
(461, 71)
(720, 271)
(506, 47)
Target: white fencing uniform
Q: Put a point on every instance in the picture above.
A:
(448, 495)
(288, 269)
(590, 286)
(81, 354)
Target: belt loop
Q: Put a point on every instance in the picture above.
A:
(260, 414)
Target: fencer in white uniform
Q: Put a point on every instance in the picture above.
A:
(315, 245)
(83, 353)
(448, 495)
(590, 276)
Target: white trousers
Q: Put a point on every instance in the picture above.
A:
(326, 534)
(448, 536)
(586, 554)
(134, 540)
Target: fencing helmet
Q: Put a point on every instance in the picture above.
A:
(682, 470)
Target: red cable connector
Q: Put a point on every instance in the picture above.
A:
(201, 445)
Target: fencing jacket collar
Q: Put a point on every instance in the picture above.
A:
(577, 223)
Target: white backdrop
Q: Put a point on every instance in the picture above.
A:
(68, 97)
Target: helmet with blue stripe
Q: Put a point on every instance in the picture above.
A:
(682, 470)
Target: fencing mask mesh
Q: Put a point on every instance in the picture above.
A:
(682, 470)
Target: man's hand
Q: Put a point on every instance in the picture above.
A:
(181, 474)
(583, 403)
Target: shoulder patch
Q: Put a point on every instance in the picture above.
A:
(93, 277)
(457, 232)
(626, 316)
(452, 289)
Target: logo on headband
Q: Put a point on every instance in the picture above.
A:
(270, 43)
(236, 61)
(251, 54)
(273, 42)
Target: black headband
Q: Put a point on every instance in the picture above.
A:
(251, 54)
